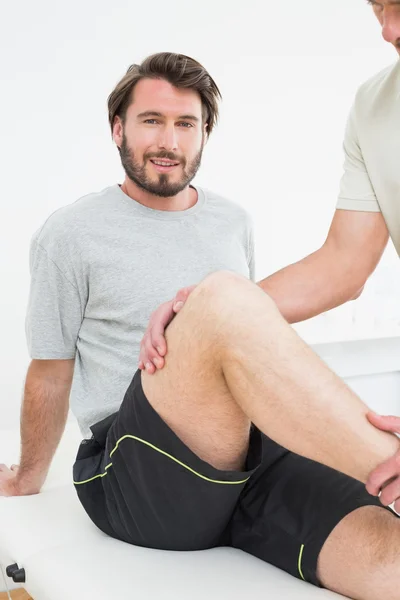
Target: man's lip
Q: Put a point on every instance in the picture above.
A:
(164, 168)
(166, 160)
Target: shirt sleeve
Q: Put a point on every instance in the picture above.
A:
(56, 304)
(356, 190)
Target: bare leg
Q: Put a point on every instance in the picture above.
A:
(233, 359)
(360, 559)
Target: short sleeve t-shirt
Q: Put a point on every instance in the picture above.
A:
(371, 179)
(102, 265)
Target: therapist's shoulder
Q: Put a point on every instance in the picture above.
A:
(377, 85)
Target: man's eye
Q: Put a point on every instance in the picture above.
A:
(187, 125)
(151, 121)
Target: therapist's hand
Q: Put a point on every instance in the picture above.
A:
(153, 346)
(385, 479)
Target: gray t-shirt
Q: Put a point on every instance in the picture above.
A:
(100, 266)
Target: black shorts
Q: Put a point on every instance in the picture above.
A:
(139, 483)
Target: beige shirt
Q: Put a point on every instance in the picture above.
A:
(371, 181)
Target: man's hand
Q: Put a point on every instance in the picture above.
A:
(385, 479)
(9, 482)
(153, 346)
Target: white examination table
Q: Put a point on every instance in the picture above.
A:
(65, 557)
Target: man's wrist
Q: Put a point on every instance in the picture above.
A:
(27, 486)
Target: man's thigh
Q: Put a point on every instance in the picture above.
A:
(190, 393)
(289, 509)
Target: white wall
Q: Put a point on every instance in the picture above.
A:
(381, 392)
(288, 71)
(370, 367)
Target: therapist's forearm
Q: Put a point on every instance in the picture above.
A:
(43, 417)
(311, 286)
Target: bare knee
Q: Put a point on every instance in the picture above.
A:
(231, 290)
(222, 308)
(218, 281)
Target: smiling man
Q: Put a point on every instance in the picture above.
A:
(185, 459)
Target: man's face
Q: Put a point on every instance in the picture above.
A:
(388, 14)
(162, 140)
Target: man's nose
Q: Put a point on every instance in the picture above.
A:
(168, 138)
(391, 25)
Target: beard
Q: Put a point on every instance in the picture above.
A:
(161, 187)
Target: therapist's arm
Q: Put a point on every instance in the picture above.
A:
(335, 273)
(43, 417)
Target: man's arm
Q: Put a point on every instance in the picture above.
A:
(43, 417)
(335, 273)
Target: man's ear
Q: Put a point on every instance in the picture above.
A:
(205, 133)
(118, 131)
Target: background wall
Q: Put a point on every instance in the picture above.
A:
(288, 72)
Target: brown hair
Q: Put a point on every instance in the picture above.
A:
(179, 70)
